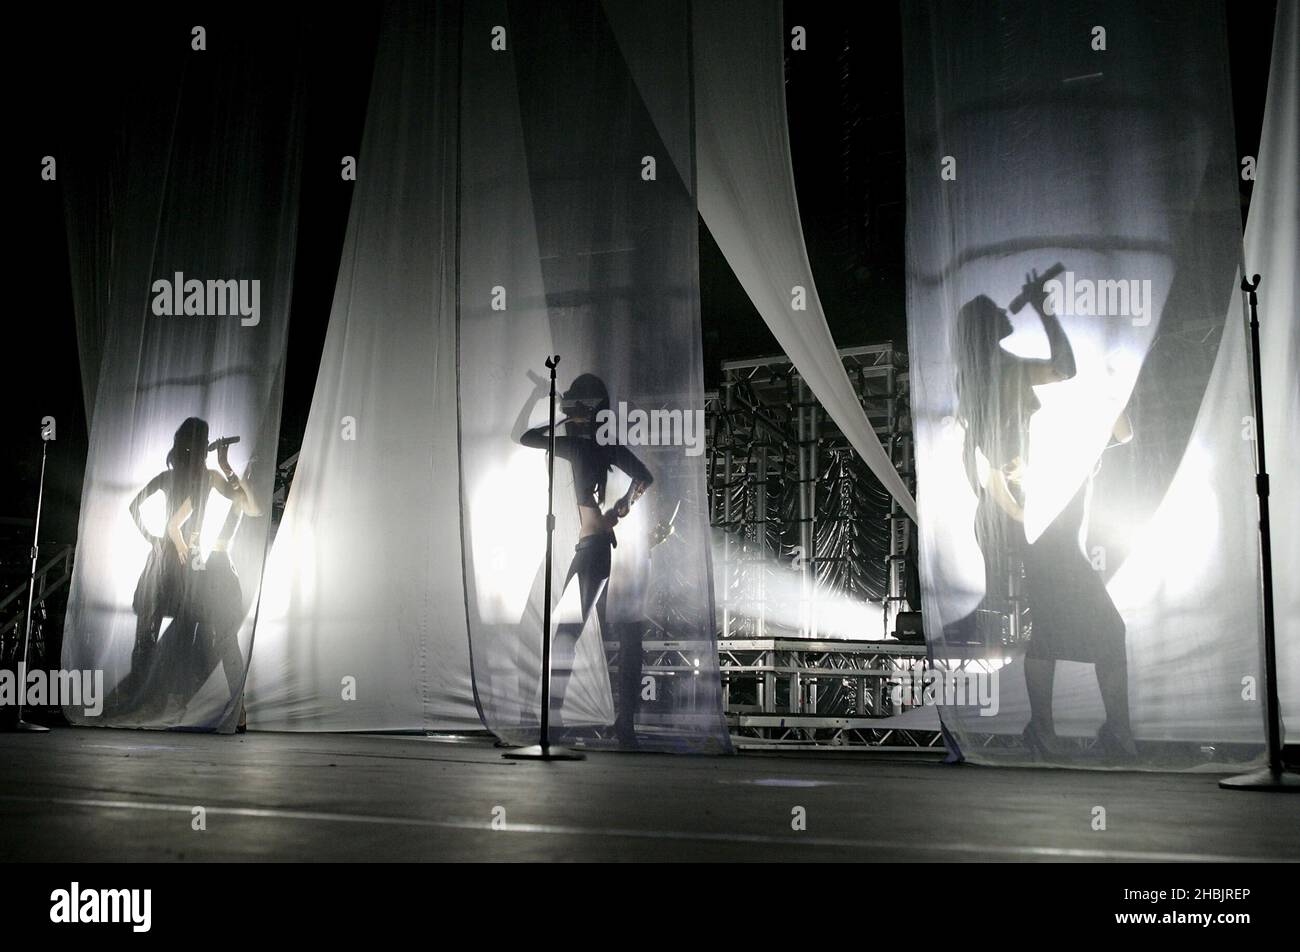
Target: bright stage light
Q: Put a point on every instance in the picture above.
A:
(1173, 553)
(775, 593)
(510, 497)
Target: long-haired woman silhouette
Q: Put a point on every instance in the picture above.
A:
(1071, 613)
(175, 582)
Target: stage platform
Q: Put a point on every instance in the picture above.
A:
(807, 694)
(107, 795)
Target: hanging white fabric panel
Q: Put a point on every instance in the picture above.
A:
(90, 194)
(172, 534)
(1079, 388)
(120, 139)
(746, 184)
(503, 299)
(578, 237)
(747, 199)
(1273, 252)
(362, 622)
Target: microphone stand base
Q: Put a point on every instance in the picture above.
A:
(27, 727)
(543, 752)
(1266, 779)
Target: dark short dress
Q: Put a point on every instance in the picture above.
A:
(1072, 614)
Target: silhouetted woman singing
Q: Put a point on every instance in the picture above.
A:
(591, 462)
(175, 583)
(1072, 615)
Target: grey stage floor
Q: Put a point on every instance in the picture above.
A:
(102, 795)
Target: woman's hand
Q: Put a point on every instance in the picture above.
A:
(1033, 291)
(1060, 365)
(1004, 486)
(621, 508)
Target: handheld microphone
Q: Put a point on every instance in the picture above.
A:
(1023, 297)
(224, 441)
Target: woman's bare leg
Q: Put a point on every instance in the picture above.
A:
(1040, 676)
(1117, 732)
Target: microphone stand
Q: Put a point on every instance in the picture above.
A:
(22, 725)
(1274, 776)
(543, 749)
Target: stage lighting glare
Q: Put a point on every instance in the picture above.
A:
(778, 596)
(970, 665)
(1174, 550)
(1067, 439)
(509, 497)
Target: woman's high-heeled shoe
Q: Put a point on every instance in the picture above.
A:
(1118, 745)
(1044, 744)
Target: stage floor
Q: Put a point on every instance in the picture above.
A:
(108, 795)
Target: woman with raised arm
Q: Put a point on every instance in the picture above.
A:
(1071, 614)
(591, 462)
(172, 584)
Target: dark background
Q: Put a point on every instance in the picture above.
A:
(844, 98)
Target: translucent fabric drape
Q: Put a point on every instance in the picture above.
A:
(362, 622)
(578, 237)
(1273, 251)
(170, 544)
(746, 184)
(119, 141)
(1079, 393)
(90, 198)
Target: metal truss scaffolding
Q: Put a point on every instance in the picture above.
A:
(804, 525)
(790, 495)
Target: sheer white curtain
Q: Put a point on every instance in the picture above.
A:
(747, 199)
(746, 188)
(198, 270)
(571, 240)
(1273, 252)
(1087, 518)
(120, 145)
(362, 621)
(501, 350)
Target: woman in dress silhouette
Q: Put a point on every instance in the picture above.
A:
(1071, 614)
(175, 582)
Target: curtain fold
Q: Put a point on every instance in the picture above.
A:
(747, 199)
(1273, 252)
(90, 195)
(362, 621)
(120, 138)
(578, 238)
